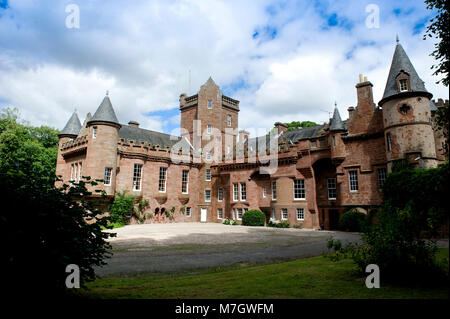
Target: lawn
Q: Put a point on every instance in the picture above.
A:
(316, 277)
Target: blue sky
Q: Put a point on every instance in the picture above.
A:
(284, 60)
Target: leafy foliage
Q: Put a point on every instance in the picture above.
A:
(253, 218)
(283, 224)
(227, 222)
(122, 209)
(353, 221)
(295, 125)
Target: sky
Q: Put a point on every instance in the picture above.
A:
(283, 60)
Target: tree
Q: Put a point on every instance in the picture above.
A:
(296, 125)
(439, 28)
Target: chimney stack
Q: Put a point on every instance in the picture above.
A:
(182, 99)
(243, 135)
(280, 127)
(133, 123)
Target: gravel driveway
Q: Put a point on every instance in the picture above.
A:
(189, 246)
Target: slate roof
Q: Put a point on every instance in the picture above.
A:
(139, 134)
(73, 126)
(105, 112)
(401, 62)
(433, 106)
(336, 122)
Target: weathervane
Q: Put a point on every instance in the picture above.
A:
(107, 92)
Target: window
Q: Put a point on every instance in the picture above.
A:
(207, 174)
(353, 176)
(71, 172)
(404, 109)
(264, 192)
(75, 171)
(331, 186)
(229, 120)
(94, 132)
(162, 179)
(274, 190)
(137, 177)
(300, 214)
(388, 141)
(284, 213)
(220, 213)
(207, 195)
(403, 85)
(381, 177)
(208, 155)
(209, 104)
(107, 178)
(188, 212)
(334, 141)
(79, 171)
(185, 182)
(239, 213)
(209, 129)
(299, 189)
(243, 192)
(220, 194)
(235, 192)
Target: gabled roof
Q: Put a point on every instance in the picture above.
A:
(336, 122)
(105, 112)
(137, 134)
(401, 62)
(73, 126)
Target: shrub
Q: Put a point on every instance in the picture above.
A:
(278, 224)
(354, 221)
(234, 223)
(299, 225)
(253, 218)
(122, 208)
(226, 222)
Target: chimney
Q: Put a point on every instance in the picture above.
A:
(280, 127)
(243, 135)
(133, 123)
(182, 99)
(351, 111)
(365, 96)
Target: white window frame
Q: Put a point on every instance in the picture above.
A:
(264, 192)
(71, 172)
(107, 177)
(389, 142)
(284, 210)
(185, 181)
(80, 165)
(243, 192)
(299, 189)
(208, 174)
(94, 132)
(75, 165)
(273, 216)
(274, 190)
(207, 200)
(137, 178)
(300, 212)
(330, 182)
(403, 85)
(381, 177)
(239, 211)
(209, 104)
(188, 212)
(353, 182)
(162, 173)
(229, 120)
(220, 194)
(220, 213)
(235, 192)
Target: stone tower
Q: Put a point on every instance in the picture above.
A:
(337, 127)
(103, 135)
(406, 107)
(69, 132)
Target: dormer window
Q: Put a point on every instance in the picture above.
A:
(403, 82)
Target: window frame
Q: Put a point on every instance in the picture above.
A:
(235, 192)
(207, 191)
(107, 177)
(332, 189)
(208, 175)
(209, 105)
(243, 192)
(382, 180)
(284, 210)
(185, 182)
(220, 194)
(219, 213)
(273, 186)
(229, 120)
(188, 212)
(264, 191)
(164, 188)
(302, 211)
(137, 178)
(353, 182)
(301, 190)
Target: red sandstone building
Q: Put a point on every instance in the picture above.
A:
(320, 172)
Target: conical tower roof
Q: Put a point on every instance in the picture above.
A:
(73, 126)
(336, 122)
(105, 113)
(401, 63)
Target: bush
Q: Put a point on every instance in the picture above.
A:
(122, 208)
(226, 222)
(234, 223)
(277, 224)
(299, 225)
(253, 218)
(354, 221)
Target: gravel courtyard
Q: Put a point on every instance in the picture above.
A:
(190, 246)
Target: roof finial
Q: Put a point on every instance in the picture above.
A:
(107, 92)
(75, 110)
(396, 39)
(335, 104)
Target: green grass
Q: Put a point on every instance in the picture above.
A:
(316, 277)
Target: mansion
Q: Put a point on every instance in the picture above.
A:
(322, 171)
